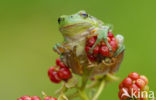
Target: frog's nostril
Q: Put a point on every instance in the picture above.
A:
(59, 20)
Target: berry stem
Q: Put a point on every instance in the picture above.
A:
(83, 95)
(84, 82)
(101, 87)
(85, 78)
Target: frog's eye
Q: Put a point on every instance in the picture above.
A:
(85, 15)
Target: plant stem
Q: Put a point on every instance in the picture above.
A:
(102, 85)
(83, 85)
(83, 95)
(84, 82)
(82, 89)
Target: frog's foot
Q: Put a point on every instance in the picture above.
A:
(59, 48)
(56, 49)
(120, 49)
(102, 36)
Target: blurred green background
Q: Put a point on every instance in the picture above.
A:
(28, 30)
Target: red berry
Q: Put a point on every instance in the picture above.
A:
(104, 51)
(58, 61)
(62, 65)
(26, 98)
(114, 45)
(127, 82)
(35, 98)
(122, 92)
(49, 98)
(64, 73)
(19, 99)
(134, 75)
(53, 75)
(51, 69)
(91, 57)
(87, 48)
(108, 39)
(144, 78)
(54, 99)
(114, 39)
(96, 49)
(91, 41)
(134, 89)
(121, 85)
(110, 35)
(95, 37)
(140, 83)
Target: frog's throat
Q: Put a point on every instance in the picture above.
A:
(76, 32)
(77, 37)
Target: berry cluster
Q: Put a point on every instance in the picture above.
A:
(35, 98)
(29, 98)
(133, 84)
(101, 50)
(59, 72)
(49, 98)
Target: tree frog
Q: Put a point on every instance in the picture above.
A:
(76, 27)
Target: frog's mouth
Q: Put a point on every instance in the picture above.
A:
(70, 26)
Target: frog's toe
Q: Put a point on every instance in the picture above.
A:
(109, 46)
(58, 45)
(55, 48)
(110, 49)
(92, 48)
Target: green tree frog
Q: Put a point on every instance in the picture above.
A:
(76, 27)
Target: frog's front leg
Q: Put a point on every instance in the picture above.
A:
(120, 49)
(98, 40)
(59, 48)
(102, 35)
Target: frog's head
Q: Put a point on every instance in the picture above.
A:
(71, 25)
